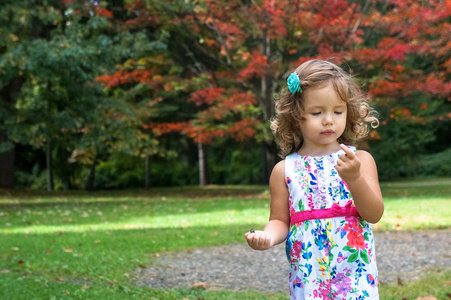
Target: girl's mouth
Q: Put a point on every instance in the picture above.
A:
(328, 132)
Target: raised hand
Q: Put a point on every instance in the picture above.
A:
(348, 165)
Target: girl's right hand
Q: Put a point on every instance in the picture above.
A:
(259, 240)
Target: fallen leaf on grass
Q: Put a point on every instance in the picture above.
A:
(20, 262)
(426, 298)
(47, 252)
(200, 285)
(59, 279)
(69, 250)
(97, 241)
(4, 271)
(85, 287)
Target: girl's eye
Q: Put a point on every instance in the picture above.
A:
(316, 113)
(338, 112)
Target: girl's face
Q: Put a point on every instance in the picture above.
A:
(324, 119)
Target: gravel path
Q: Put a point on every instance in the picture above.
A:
(400, 255)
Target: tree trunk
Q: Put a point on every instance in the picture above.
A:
(48, 161)
(148, 179)
(9, 95)
(92, 177)
(6, 164)
(269, 149)
(270, 159)
(202, 165)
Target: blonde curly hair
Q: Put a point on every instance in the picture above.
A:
(289, 107)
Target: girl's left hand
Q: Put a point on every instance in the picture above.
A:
(348, 165)
(259, 240)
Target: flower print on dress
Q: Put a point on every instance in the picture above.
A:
(320, 237)
(342, 283)
(296, 249)
(298, 165)
(344, 192)
(323, 265)
(309, 269)
(320, 164)
(306, 254)
(356, 239)
(364, 295)
(297, 282)
(323, 291)
(371, 280)
(341, 258)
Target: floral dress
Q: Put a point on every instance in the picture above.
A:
(330, 258)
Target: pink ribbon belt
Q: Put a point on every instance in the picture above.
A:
(335, 211)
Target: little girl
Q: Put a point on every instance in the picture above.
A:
(324, 194)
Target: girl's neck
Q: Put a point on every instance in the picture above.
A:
(315, 150)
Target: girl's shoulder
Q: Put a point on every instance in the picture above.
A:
(278, 174)
(279, 167)
(362, 154)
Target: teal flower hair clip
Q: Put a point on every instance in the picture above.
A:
(294, 83)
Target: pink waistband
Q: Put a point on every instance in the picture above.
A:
(333, 212)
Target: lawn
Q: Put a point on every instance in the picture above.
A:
(78, 245)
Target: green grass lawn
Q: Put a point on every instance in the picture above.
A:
(78, 245)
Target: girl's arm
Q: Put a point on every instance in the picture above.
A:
(360, 174)
(277, 228)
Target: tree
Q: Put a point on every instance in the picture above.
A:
(244, 50)
(407, 65)
(51, 56)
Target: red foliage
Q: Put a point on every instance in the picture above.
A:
(165, 128)
(256, 68)
(235, 103)
(207, 96)
(146, 76)
(395, 51)
(101, 11)
(270, 17)
(382, 87)
(243, 129)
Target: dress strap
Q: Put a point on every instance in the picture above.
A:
(335, 211)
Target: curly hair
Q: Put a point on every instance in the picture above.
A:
(289, 107)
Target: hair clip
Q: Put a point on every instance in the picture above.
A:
(294, 83)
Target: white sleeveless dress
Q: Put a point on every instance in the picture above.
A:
(331, 258)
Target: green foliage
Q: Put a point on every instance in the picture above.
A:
(411, 134)
(241, 164)
(153, 56)
(438, 164)
(120, 172)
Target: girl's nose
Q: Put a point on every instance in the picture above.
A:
(327, 119)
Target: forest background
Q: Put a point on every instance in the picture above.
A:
(127, 93)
